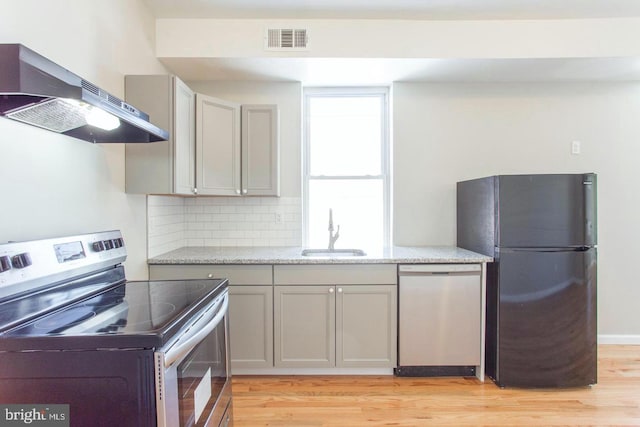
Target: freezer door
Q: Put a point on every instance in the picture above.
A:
(546, 319)
(546, 210)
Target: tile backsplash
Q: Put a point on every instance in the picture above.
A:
(165, 224)
(223, 221)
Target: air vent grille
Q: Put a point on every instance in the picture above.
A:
(90, 87)
(287, 39)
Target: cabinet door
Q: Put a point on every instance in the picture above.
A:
(184, 136)
(149, 167)
(260, 150)
(304, 326)
(165, 167)
(251, 326)
(366, 319)
(217, 146)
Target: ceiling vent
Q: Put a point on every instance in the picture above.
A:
(286, 39)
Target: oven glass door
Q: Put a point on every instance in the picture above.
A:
(201, 377)
(193, 380)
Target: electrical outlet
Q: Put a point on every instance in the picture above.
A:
(575, 147)
(278, 218)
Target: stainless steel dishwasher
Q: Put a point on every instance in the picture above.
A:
(439, 315)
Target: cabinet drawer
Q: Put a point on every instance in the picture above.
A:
(362, 274)
(237, 274)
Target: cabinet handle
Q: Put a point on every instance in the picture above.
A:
(339, 290)
(244, 191)
(195, 190)
(330, 290)
(210, 275)
(238, 191)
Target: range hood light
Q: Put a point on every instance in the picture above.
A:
(101, 119)
(55, 114)
(63, 114)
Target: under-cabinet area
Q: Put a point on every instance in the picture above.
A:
(216, 147)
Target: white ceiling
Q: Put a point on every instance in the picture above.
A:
(381, 71)
(395, 9)
(336, 71)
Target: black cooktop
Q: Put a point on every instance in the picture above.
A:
(134, 314)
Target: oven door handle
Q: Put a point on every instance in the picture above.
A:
(197, 332)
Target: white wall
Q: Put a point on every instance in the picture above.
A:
(444, 133)
(382, 38)
(54, 185)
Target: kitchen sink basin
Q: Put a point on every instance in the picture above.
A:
(333, 252)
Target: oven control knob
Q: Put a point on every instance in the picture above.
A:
(97, 246)
(117, 243)
(5, 264)
(108, 244)
(21, 260)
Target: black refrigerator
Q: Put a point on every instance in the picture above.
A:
(541, 326)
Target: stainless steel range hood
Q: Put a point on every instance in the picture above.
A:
(36, 91)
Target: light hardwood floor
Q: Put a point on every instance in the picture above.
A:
(348, 401)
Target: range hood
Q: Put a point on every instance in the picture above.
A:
(37, 91)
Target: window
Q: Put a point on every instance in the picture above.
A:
(346, 166)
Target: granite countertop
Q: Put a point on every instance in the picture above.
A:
(292, 255)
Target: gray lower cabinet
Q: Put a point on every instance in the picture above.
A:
(366, 319)
(250, 307)
(251, 326)
(325, 326)
(304, 320)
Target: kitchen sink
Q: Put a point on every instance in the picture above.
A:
(333, 252)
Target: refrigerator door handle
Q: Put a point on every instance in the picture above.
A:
(590, 212)
(567, 249)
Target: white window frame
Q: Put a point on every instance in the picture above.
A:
(385, 146)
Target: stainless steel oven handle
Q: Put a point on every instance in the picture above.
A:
(197, 332)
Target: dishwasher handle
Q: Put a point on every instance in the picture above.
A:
(439, 268)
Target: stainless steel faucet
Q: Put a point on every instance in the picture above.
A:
(332, 237)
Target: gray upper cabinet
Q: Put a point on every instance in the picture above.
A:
(217, 146)
(260, 150)
(165, 167)
(237, 148)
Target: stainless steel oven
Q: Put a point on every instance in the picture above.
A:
(75, 332)
(193, 386)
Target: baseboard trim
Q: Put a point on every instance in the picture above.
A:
(619, 339)
(312, 371)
